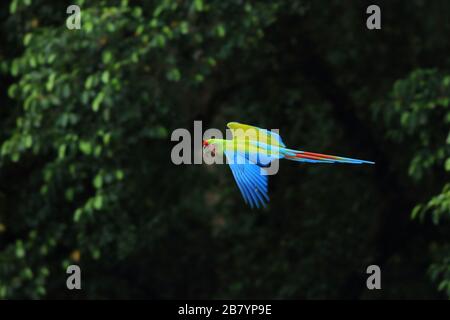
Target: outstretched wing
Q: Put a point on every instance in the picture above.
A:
(251, 183)
(245, 131)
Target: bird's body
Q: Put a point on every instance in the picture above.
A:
(251, 149)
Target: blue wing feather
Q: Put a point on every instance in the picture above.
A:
(252, 187)
(247, 186)
(243, 186)
(243, 192)
(250, 181)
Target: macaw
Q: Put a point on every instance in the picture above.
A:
(251, 150)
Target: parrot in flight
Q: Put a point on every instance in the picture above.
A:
(251, 150)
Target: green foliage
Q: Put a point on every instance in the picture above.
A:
(96, 107)
(420, 115)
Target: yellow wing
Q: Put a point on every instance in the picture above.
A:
(247, 132)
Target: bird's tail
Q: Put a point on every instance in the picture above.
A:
(304, 156)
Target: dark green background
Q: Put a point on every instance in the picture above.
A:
(86, 177)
